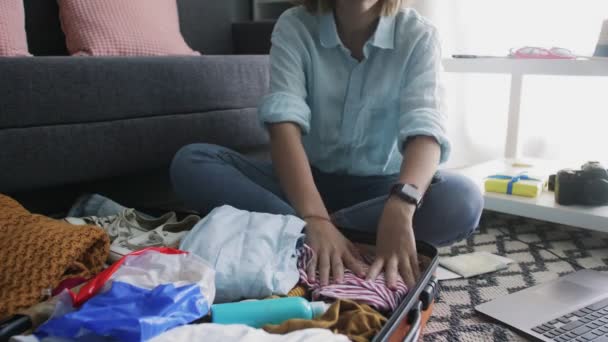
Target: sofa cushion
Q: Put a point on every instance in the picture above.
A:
(212, 35)
(67, 90)
(122, 28)
(12, 29)
(66, 120)
(39, 157)
(207, 24)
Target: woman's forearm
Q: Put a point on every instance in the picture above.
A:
(293, 169)
(422, 155)
(396, 243)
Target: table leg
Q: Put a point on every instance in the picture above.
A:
(512, 142)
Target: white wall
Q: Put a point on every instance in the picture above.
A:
(563, 118)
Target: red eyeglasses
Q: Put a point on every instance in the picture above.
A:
(530, 52)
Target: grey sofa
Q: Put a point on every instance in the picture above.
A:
(111, 125)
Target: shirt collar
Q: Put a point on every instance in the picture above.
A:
(328, 32)
(383, 38)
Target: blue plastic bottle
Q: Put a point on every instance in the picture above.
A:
(268, 311)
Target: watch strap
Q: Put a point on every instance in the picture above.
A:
(408, 193)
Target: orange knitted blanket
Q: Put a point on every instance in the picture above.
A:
(37, 253)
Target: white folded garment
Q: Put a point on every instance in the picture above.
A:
(253, 254)
(470, 265)
(221, 333)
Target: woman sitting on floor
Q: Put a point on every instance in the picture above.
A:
(357, 135)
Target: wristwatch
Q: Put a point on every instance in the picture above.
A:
(408, 193)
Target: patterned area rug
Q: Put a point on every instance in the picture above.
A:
(454, 317)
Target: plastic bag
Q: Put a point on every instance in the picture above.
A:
(145, 294)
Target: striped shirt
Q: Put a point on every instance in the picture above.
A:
(373, 293)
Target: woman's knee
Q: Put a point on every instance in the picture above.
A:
(194, 154)
(470, 207)
(186, 162)
(467, 205)
(455, 205)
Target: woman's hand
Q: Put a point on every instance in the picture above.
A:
(333, 252)
(396, 245)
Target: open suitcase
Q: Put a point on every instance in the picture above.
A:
(406, 323)
(409, 320)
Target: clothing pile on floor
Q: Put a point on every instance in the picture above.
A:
(128, 229)
(121, 275)
(38, 253)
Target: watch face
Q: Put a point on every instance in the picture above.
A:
(407, 193)
(411, 192)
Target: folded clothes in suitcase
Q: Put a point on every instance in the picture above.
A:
(346, 318)
(409, 320)
(405, 324)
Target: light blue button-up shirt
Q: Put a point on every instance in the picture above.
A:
(355, 116)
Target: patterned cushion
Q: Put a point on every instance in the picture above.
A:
(123, 28)
(13, 41)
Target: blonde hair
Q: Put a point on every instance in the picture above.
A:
(389, 7)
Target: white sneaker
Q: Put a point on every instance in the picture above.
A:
(168, 235)
(124, 226)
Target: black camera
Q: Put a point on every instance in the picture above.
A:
(587, 186)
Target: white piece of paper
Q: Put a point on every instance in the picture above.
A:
(473, 264)
(445, 274)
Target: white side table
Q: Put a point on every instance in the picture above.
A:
(544, 207)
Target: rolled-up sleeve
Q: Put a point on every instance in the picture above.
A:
(286, 101)
(420, 99)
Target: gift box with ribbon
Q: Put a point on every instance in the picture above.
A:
(519, 185)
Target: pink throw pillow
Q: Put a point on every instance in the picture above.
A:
(13, 40)
(122, 28)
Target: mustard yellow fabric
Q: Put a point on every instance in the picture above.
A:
(357, 321)
(38, 252)
(298, 291)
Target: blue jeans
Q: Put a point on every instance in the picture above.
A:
(207, 176)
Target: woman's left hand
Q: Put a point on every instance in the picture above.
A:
(396, 245)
